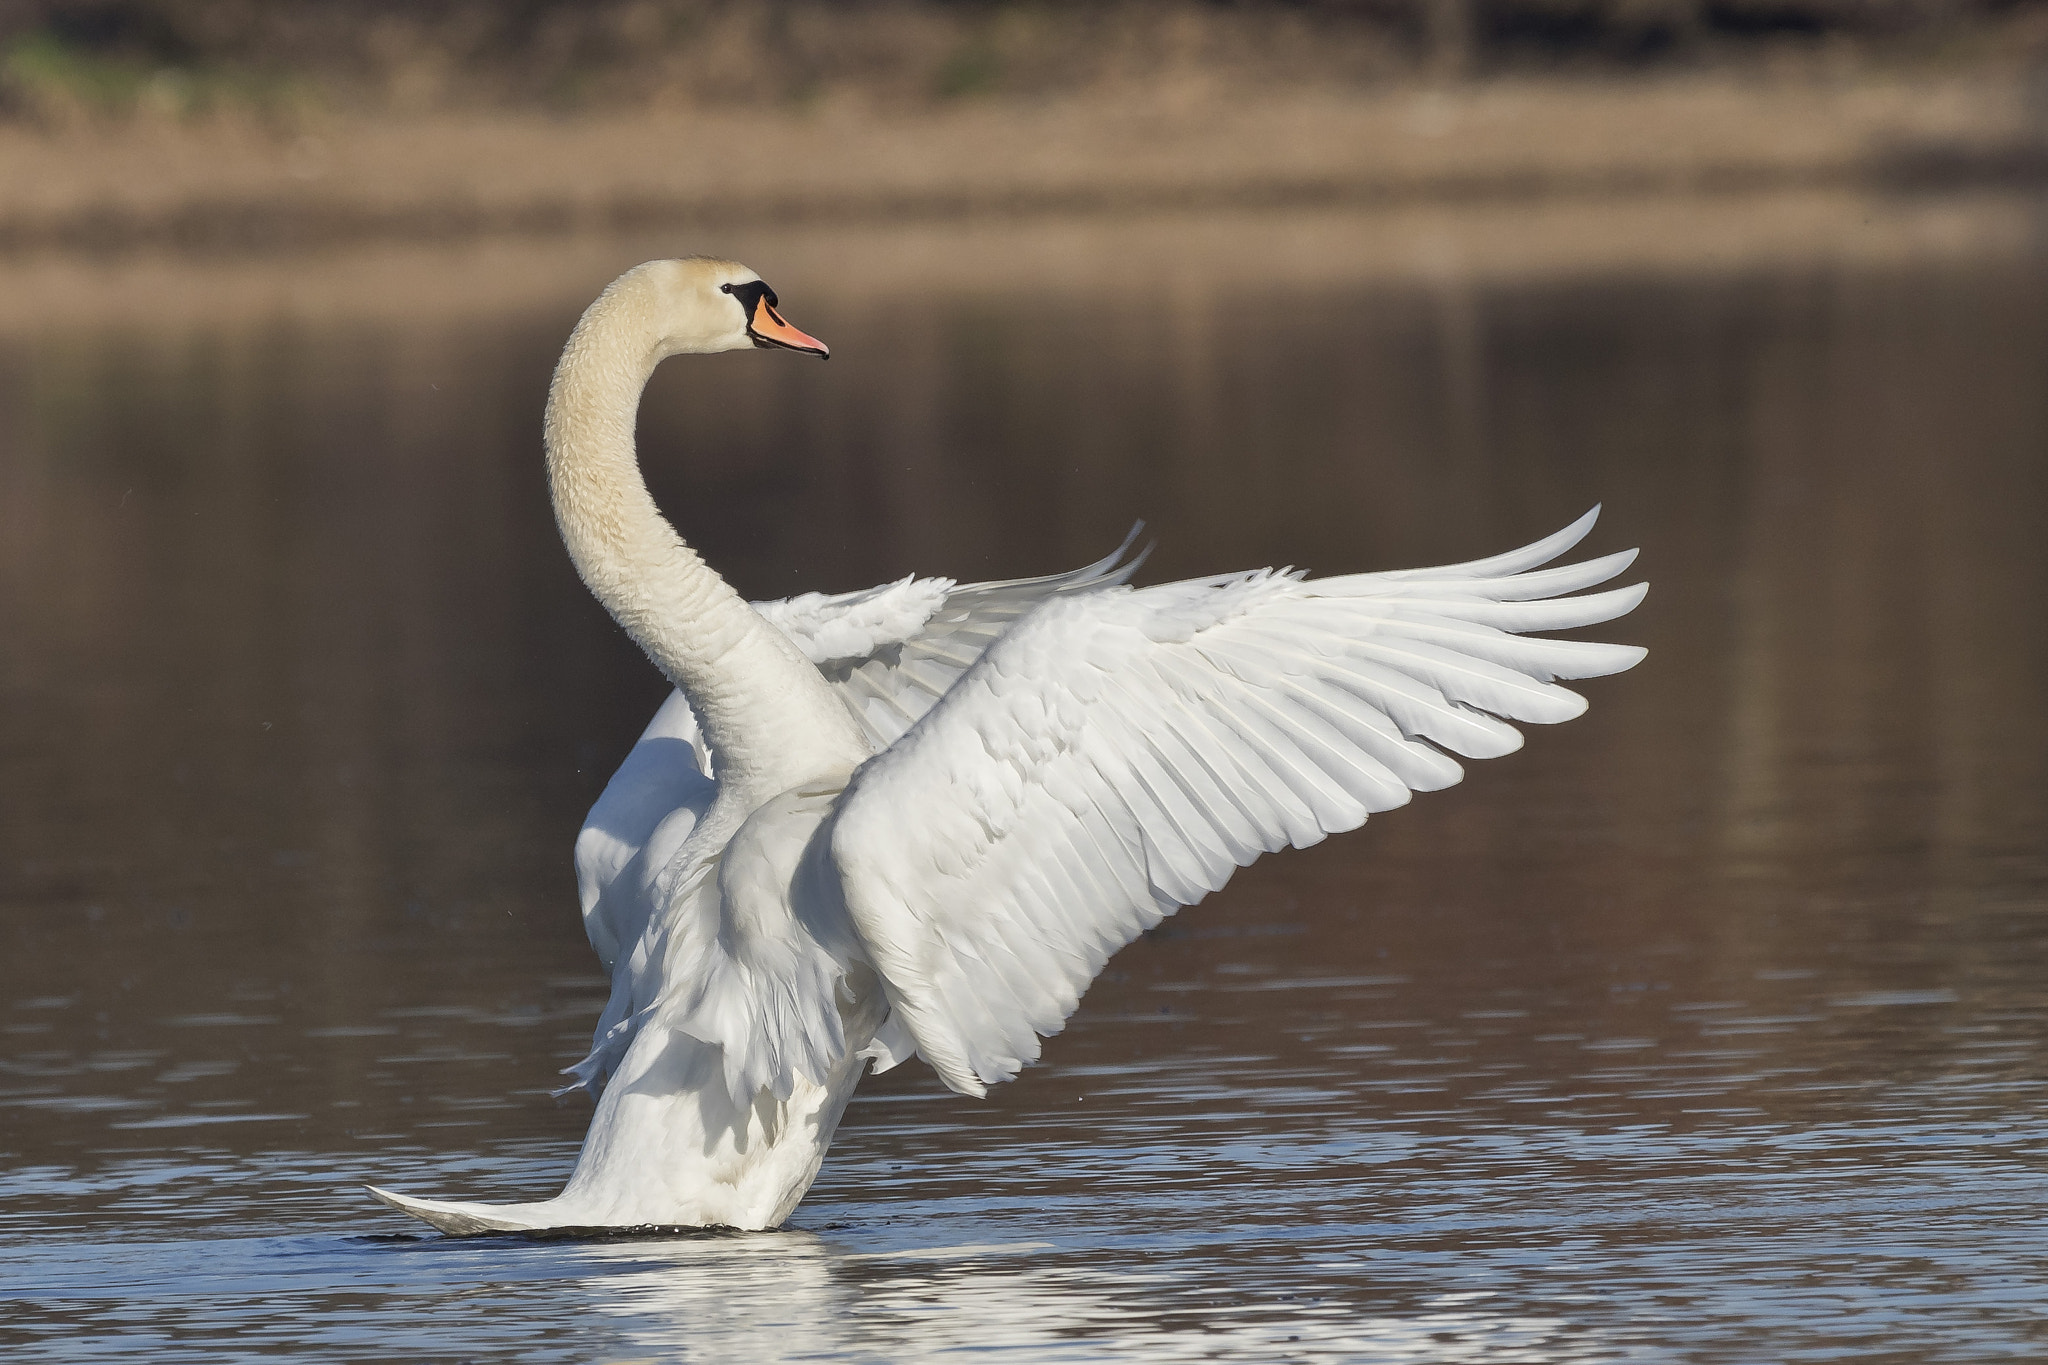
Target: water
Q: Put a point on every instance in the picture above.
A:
(1709, 1027)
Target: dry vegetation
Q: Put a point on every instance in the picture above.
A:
(235, 124)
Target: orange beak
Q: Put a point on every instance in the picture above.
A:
(768, 329)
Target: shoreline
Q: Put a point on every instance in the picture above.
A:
(241, 188)
(1155, 260)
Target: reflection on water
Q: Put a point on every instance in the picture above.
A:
(1709, 1026)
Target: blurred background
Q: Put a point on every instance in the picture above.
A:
(236, 124)
(1708, 1027)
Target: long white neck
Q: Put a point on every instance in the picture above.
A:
(769, 716)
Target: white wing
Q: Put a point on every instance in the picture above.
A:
(646, 811)
(1120, 753)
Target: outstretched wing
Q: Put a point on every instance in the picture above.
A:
(1120, 753)
(894, 650)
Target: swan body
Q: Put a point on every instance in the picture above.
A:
(917, 820)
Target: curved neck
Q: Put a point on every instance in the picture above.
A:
(767, 713)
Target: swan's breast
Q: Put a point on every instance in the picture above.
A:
(758, 878)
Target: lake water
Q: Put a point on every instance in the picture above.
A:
(1710, 1027)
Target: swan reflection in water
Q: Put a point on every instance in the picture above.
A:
(796, 1296)
(917, 820)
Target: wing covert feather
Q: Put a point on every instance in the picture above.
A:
(893, 650)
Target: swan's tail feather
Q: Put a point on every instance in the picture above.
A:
(464, 1220)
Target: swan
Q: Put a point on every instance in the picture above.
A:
(918, 819)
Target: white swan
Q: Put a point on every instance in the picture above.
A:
(919, 819)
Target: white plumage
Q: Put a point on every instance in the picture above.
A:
(1119, 754)
(919, 819)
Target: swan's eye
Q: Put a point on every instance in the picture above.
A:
(725, 289)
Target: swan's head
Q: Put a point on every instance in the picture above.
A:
(701, 304)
